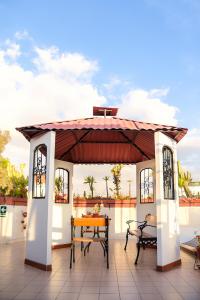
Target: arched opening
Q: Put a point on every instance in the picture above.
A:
(39, 171)
(61, 186)
(168, 173)
(146, 186)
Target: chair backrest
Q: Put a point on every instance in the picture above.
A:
(78, 222)
(152, 220)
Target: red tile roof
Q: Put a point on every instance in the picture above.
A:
(104, 140)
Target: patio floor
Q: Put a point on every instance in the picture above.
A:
(90, 280)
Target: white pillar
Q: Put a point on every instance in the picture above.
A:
(168, 245)
(61, 223)
(39, 228)
(142, 209)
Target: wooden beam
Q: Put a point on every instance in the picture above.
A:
(74, 145)
(134, 145)
(102, 142)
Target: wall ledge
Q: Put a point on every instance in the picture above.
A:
(169, 266)
(38, 265)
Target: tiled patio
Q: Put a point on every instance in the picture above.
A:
(90, 280)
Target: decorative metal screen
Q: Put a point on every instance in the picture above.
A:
(146, 186)
(39, 171)
(62, 186)
(168, 173)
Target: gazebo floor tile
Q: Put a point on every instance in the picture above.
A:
(89, 279)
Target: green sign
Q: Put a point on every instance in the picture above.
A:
(3, 210)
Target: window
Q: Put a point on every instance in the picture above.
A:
(146, 186)
(62, 186)
(39, 171)
(168, 173)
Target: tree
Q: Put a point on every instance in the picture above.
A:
(106, 178)
(90, 180)
(58, 185)
(184, 179)
(116, 172)
(4, 139)
(13, 182)
(19, 183)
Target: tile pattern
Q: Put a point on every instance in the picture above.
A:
(90, 280)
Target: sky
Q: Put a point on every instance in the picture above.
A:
(60, 58)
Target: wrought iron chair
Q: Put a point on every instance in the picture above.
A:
(89, 222)
(143, 238)
(96, 231)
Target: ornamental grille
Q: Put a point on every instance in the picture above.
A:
(39, 171)
(168, 173)
(62, 186)
(146, 186)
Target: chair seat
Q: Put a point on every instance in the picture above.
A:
(137, 233)
(83, 239)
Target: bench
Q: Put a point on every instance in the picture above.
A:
(191, 248)
(144, 239)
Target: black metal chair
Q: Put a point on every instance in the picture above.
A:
(143, 238)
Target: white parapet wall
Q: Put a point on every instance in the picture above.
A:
(189, 221)
(11, 226)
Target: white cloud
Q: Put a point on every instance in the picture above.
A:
(21, 35)
(189, 152)
(11, 51)
(147, 106)
(58, 88)
(65, 65)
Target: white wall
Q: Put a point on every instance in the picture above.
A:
(145, 208)
(61, 220)
(39, 229)
(168, 249)
(189, 220)
(11, 228)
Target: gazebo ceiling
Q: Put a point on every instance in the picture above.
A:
(103, 140)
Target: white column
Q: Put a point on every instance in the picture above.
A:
(145, 208)
(168, 245)
(39, 229)
(61, 223)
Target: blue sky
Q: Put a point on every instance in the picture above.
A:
(148, 43)
(125, 46)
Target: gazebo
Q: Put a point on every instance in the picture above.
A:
(102, 140)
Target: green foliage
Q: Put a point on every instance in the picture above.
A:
(58, 184)
(4, 139)
(184, 179)
(116, 172)
(13, 182)
(90, 180)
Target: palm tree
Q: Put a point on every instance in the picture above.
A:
(116, 171)
(106, 178)
(90, 180)
(184, 179)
